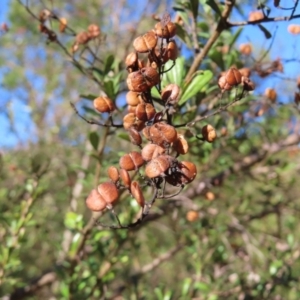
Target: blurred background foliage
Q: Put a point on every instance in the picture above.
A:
(231, 234)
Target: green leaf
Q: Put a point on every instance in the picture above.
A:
(176, 74)
(108, 63)
(266, 32)
(186, 286)
(194, 7)
(94, 139)
(197, 84)
(72, 220)
(109, 89)
(214, 6)
(217, 57)
(182, 34)
(98, 74)
(89, 96)
(235, 37)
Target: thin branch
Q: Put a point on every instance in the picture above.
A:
(222, 25)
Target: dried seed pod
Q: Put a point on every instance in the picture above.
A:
(184, 173)
(167, 31)
(134, 136)
(210, 196)
(248, 84)
(82, 38)
(170, 93)
(161, 134)
(113, 173)
(131, 161)
(246, 48)
(233, 76)
(94, 31)
(137, 193)
(171, 51)
(151, 151)
(255, 16)
(180, 145)
(136, 82)
(104, 104)
(271, 94)
(209, 133)
(129, 120)
(131, 109)
(223, 84)
(158, 166)
(192, 216)
(131, 61)
(146, 42)
(133, 98)
(188, 171)
(145, 111)
(109, 192)
(95, 201)
(246, 72)
(151, 76)
(62, 24)
(124, 175)
(294, 29)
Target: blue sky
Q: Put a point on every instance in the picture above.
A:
(287, 47)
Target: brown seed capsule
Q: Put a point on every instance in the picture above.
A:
(137, 193)
(131, 161)
(136, 82)
(145, 43)
(131, 61)
(130, 120)
(294, 29)
(151, 76)
(170, 93)
(82, 38)
(151, 151)
(109, 192)
(271, 94)
(209, 133)
(180, 145)
(192, 216)
(113, 173)
(233, 76)
(245, 49)
(62, 24)
(134, 136)
(124, 175)
(145, 111)
(210, 196)
(133, 98)
(95, 201)
(161, 134)
(171, 51)
(255, 16)
(246, 72)
(158, 166)
(184, 173)
(94, 31)
(167, 31)
(131, 109)
(103, 104)
(248, 84)
(188, 171)
(223, 84)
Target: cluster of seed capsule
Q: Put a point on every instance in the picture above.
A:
(148, 123)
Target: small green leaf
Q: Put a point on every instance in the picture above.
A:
(214, 6)
(98, 74)
(197, 84)
(194, 7)
(176, 74)
(89, 96)
(94, 139)
(108, 88)
(108, 63)
(235, 37)
(186, 286)
(72, 220)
